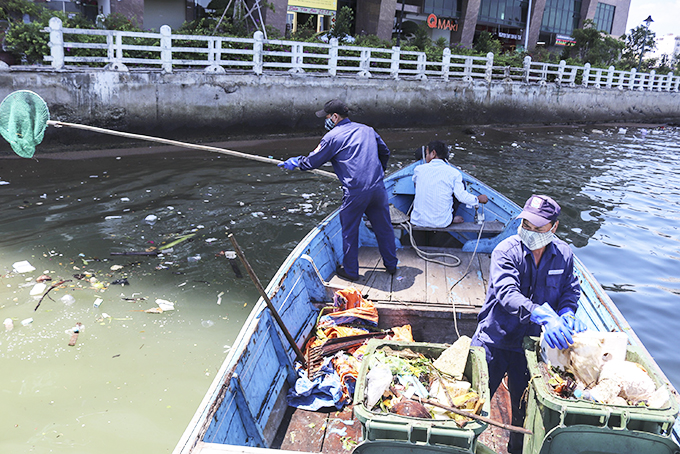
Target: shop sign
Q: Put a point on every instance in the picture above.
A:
(311, 5)
(443, 24)
(302, 9)
(564, 40)
(509, 36)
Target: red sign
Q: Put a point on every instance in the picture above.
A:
(442, 24)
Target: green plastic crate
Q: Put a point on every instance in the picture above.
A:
(548, 413)
(431, 432)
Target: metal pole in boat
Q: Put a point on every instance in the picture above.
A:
(266, 299)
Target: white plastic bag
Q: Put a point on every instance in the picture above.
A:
(377, 381)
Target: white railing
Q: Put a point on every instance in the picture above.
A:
(215, 54)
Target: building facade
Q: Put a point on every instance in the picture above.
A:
(518, 24)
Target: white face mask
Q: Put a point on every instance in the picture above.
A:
(535, 240)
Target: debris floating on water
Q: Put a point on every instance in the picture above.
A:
(23, 267)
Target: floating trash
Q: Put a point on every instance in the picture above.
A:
(108, 218)
(207, 323)
(67, 299)
(98, 302)
(23, 267)
(26, 322)
(38, 289)
(122, 281)
(9, 324)
(165, 305)
(151, 219)
(194, 258)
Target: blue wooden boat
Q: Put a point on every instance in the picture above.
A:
(245, 409)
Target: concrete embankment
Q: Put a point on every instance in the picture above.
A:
(210, 104)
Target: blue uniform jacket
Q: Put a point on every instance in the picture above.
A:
(516, 287)
(358, 154)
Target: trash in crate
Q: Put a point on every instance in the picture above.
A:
(595, 368)
(404, 382)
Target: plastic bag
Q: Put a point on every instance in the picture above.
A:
(377, 381)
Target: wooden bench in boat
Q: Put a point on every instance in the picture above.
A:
(494, 227)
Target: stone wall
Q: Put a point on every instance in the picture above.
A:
(193, 102)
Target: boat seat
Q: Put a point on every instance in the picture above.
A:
(495, 227)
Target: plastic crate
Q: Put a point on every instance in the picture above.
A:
(547, 412)
(431, 432)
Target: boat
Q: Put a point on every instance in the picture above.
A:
(245, 409)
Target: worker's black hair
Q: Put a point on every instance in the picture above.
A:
(440, 148)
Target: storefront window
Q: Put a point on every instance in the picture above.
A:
(442, 8)
(503, 12)
(604, 17)
(561, 16)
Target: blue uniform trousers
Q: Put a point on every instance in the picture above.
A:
(513, 363)
(374, 204)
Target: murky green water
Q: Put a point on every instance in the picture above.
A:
(134, 379)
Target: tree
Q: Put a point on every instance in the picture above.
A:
(593, 46)
(487, 43)
(343, 23)
(639, 40)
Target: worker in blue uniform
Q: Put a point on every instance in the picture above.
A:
(359, 157)
(532, 286)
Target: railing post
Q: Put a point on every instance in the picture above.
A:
(296, 58)
(365, 63)
(395, 63)
(258, 47)
(610, 77)
(56, 43)
(585, 78)
(117, 62)
(446, 63)
(631, 81)
(560, 71)
(652, 79)
(333, 57)
(166, 49)
(215, 56)
(467, 69)
(488, 73)
(422, 65)
(527, 69)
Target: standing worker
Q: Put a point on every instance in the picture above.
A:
(531, 285)
(359, 157)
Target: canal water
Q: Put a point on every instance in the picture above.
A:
(133, 379)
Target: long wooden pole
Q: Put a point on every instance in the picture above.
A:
(457, 411)
(266, 299)
(238, 154)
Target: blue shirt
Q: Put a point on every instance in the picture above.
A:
(517, 287)
(358, 154)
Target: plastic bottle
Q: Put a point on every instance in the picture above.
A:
(584, 394)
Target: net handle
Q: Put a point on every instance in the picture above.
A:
(238, 154)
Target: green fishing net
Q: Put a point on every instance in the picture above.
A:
(23, 120)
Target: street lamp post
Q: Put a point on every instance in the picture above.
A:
(644, 40)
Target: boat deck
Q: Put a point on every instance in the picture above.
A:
(423, 293)
(420, 286)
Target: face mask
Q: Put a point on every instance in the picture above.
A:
(329, 124)
(535, 240)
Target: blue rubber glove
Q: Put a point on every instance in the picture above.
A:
(291, 163)
(557, 333)
(576, 325)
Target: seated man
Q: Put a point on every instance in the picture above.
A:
(439, 189)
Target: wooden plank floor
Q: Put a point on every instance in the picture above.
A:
(420, 281)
